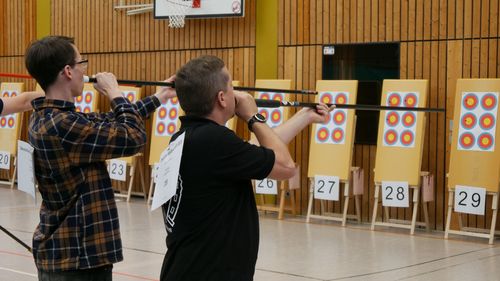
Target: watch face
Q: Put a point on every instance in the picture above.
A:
(259, 117)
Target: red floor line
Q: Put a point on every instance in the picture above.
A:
(16, 254)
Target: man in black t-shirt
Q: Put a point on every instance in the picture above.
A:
(212, 220)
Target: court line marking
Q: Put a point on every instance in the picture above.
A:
(19, 272)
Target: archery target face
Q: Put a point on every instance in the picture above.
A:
(274, 116)
(400, 126)
(130, 95)
(333, 132)
(166, 118)
(8, 121)
(85, 102)
(477, 128)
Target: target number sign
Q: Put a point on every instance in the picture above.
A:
(4, 160)
(395, 194)
(117, 169)
(470, 200)
(326, 187)
(266, 186)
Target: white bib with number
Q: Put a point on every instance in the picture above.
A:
(395, 194)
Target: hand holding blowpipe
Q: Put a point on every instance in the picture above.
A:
(88, 79)
(275, 103)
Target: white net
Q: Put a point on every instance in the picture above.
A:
(179, 8)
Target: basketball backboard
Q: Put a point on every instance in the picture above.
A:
(200, 8)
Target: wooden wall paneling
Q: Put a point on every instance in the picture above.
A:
(300, 23)
(352, 20)
(339, 21)
(493, 58)
(476, 18)
(294, 27)
(427, 20)
(404, 20)
(320, 32)
(374, 20)
(381, 20)
(313, 28)
(389, 24)
(367, 14)
(327, 30)
(467, 18)
(493, 18)
(485, 19)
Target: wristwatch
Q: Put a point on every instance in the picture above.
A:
(256, 118)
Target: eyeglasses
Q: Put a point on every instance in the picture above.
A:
(83, 62)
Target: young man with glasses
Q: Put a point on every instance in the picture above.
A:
(78, 237)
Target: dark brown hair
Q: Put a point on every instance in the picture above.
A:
(197, 84)
(46, 57)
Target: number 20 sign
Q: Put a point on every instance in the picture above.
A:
(395, 194)
(326, 188)
(470, 200)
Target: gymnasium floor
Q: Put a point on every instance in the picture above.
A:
(290, 250)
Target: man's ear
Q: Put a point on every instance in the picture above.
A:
(221, 99)
(67, 72)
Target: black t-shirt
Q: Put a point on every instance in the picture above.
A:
(212, 221)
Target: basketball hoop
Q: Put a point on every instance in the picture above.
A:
(179, 9)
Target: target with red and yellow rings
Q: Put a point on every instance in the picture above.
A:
(391, 137)
(160, 128)
(264, 113)
(470, 101)
(341, 98)
(394, 99)
(162, 113)
(489, 101)
(3, 121)
(79, 99)
(339, 117)
(276, 116)
(87, 109)
(171, 128)
(407, 137)
(13, 94)
(409, 119)
(392, 118)
(469, 120)
(131, 96)
(5, 94)
(173, 113)
(11, 122)
(485, 141)
(467, 140)
(487, 121)
(174, 100)
(88, 98)
(265, 96)
(411, 100)
(338, 135)
(322, 134)
(278, 97)
(326, 98)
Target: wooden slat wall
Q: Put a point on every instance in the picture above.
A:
(441, 41)
(141, 48)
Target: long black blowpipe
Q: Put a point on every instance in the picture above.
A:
(275, 103)
(88, 79)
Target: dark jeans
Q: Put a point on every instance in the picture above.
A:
(94, 274)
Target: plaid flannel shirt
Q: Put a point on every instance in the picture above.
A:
(79, 226)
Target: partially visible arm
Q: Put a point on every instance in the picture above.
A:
(19, 103)
(288, 130)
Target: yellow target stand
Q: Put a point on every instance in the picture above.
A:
(399, 151)
(275, 117)
(165, 124)
(132, 163)
(331, 149)
(10, 131)
(475, 155)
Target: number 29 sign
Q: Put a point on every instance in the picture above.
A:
(470, 200)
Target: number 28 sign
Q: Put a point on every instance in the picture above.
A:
(395, 194)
